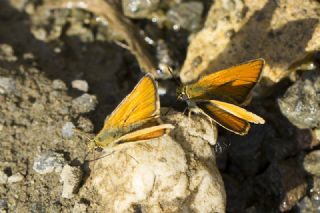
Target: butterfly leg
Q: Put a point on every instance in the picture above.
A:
(194, 110)
(197, 110)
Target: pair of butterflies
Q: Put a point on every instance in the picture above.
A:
(137, 117)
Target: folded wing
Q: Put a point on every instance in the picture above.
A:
(232, 85)
(140, 105)
(229, 116)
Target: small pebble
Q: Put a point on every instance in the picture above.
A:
(39, 33)
(7, 53)
(58, 84)
(80, 85)
(311, 162)
(317, 134)
(3, 177)
(7, 85)
(301, 102)
(79, 208)
(15, 178)
(48, 162)
(186, 15)
(28, 56)
(84, 103)
(67, 130)
(139, 8)
(71, 178)
(3, 204)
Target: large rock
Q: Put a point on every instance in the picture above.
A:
(281, 32)
(301, 102)
(171, 173)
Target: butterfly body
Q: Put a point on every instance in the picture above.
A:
(218, 94)
(135, 119)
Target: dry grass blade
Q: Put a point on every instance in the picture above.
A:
(127, 31)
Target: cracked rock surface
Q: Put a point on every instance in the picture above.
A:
(172, 173)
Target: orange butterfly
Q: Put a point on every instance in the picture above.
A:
(231, 86)
(135, 119)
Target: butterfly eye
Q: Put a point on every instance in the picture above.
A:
(119, 142)
(98, 149)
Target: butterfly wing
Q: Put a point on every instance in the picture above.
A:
(140, 105)
(232, 85)
(136, 117)
(229, 116)
(146, 133)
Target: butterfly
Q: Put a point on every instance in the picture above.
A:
(137, 118)
(217, 95)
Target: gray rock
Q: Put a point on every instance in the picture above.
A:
(67, 130)
(311, 162)
(85, 103)
(301, 102)
(3, 204)
(186, 15)
(81, 85)
(7, 85)
(58, 84)
(139, 8)
(48, 162)
(3, 177)
(15, 178)
(71, 178)
(305, 205)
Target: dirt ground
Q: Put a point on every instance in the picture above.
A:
(40, 56)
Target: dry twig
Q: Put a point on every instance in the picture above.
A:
(127, 31)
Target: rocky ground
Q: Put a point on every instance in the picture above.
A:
(65, 68)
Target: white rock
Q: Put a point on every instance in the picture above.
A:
(80, 85)
(166, 174)
(48, 162)
(15, 178)
(67, 130)
(84, 103)
(71, 178)
(79, 208)
(7, 85)
(3, 177)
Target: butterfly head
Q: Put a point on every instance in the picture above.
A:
(104, 139)
(182, 93)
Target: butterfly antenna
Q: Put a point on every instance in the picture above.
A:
(164, 67)
(173, 76)
(101, 157)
